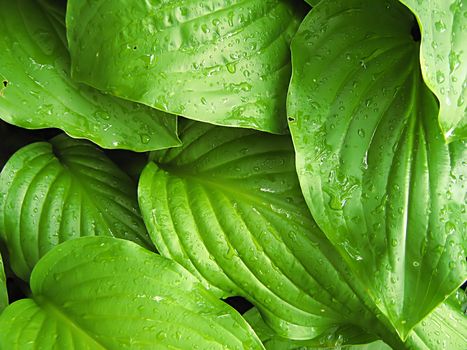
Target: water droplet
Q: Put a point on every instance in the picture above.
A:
(416, 264)
(231, 67)
(440, 26)
(394, 242)
(440, 77)
(161, 335)
(361, 132)
(145, 138)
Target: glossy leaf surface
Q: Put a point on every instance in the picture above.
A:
(228, 207)
(223, 62)
(373, 165)
(37, 92)
(53, 192)
(443, 59)
(106, 293)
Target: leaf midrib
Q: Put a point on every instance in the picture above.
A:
(53, 310)
(232, 189)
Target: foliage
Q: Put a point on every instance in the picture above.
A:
(308, 157)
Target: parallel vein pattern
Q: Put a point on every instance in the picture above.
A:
(36, 90)
(105, 293)
(228, 207)
(223, 62)
(376, 173)
(53, 192)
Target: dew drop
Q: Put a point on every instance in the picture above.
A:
(440, 77)
(145, 138)
(440, 26)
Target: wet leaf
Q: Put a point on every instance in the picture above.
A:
(54, 191)
(373, 165)
(37, 92)
(107, 293)
(222, 62)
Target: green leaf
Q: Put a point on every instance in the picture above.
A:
(372, 162)
(445, 328)
(52, 192)
(3, 290)
(224, 62)
(443, 59)
(228, 207)
(106, 293)
(335, 337)
(36, 90)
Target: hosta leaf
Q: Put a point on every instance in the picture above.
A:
(52, 192)
(106, 293)
(224, 62)
(36, 90)
(228, 207)
(334, 337)
(445, 328)
(372, 162)
(443, 58)
(3, 290)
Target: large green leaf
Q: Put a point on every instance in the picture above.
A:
(224, 62)
(52, 192)
(228, 207)
(37, 92)
(443, 58)
(106, 293)
(3, 290)
(372, 162)
(445, 328)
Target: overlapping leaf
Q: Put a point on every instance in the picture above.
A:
(53, 192)
(106, 293)
(333, 338)
(445, 328)
(443, 59)
(223, 62)
(37, 92)
(372, 162)
(228, 207)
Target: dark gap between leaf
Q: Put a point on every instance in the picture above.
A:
(5, 83)
(415, 31)
(238, 303)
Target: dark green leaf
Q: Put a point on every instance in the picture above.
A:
(52, 192)
(36, 90)
(224, 62)
(106, 293)
(372, 162)
(444, 59)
